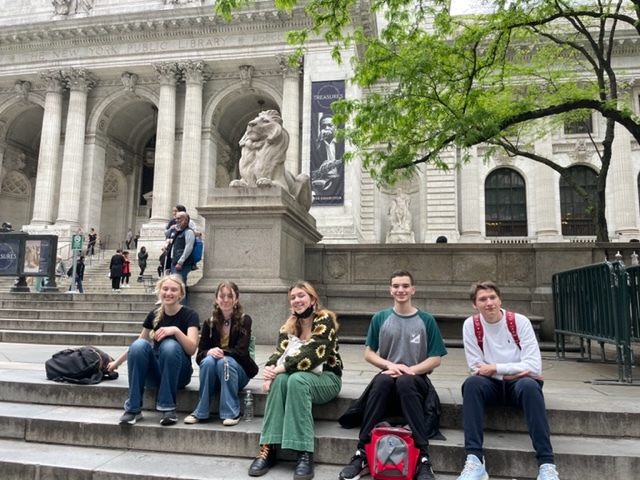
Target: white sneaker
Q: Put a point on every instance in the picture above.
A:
(548, 472)
(473, 469)
(230, 422)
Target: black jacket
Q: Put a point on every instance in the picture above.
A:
(238, 347)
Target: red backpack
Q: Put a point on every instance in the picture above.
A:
(391, 453)
(511, 325)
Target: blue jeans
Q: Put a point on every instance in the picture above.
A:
(212, 378)
(79, 282)
(184, 271)
(479, 392)
(167, 370)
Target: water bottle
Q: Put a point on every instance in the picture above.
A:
(248, 406)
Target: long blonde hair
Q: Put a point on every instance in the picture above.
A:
(292, 325)
(160, 312)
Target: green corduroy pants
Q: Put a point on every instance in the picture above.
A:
(288, 420)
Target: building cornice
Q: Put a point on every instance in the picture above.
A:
(160, 25)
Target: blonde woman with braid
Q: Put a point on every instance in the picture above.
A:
(305, 369)
(223, 356)
(165, 363)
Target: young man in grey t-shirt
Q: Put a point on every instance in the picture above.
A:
(405, 343)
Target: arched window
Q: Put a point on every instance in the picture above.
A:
(505, 204)
(575, 219)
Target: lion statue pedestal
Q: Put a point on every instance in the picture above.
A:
(255, 237)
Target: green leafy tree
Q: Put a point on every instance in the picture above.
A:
(504, 78)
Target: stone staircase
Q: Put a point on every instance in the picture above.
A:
(51, 430)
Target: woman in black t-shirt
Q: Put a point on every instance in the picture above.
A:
(166, 364)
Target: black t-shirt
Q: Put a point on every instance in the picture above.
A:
(184, 319)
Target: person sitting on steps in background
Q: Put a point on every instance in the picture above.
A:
(506, 369)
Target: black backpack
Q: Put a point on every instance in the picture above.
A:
(84, 365)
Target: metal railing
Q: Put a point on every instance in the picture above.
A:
(593, 303)
(634, 301)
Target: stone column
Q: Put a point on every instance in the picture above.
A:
(471, 215)
(194, 75)
(622, 202)
(46, 179)
(291, 112)
(165, 142)
(546, 195)
(93, 182)
(80, 82)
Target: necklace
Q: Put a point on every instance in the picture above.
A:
(226, 323)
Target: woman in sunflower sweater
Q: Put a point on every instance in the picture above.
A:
(304, 369)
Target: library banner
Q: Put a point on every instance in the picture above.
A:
(327, 169)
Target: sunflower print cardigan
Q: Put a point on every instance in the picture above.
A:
(321, 348)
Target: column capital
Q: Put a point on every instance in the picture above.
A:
(53, 80)
(79, 79)
(194, 72)
(167, 72)
(288, 70)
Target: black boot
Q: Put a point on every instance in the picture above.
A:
(263, 461)
(304, 466)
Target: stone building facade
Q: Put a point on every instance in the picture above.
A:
(113, 111)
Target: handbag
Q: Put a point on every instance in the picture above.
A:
(293, 347)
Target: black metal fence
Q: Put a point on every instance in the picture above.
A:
(601, 303)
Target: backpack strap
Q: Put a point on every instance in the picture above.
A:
(479, 331)
(511, 325)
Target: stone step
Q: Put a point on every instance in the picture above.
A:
(42, 325)
(567, 416)
(20, 460)
(75, 314)
(507, 454)
(124, 303)
(67, 338)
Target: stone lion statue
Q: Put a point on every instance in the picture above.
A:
(264, 149)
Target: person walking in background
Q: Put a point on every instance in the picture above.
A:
(142, 261)
(506, 369)
(61, 269)
(223, 357)
(128, 238)
(163, 261)
(79, 275)
(165, 364)
(126, 270)
(115, 270)
(406, 345)
(91, 246)
(305, 369)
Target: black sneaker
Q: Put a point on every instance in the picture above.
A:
(130, 418)
(356, 468)
(424, 470)
(169, 418)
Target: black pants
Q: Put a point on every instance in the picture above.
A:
(115, 283)
(404, 395)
